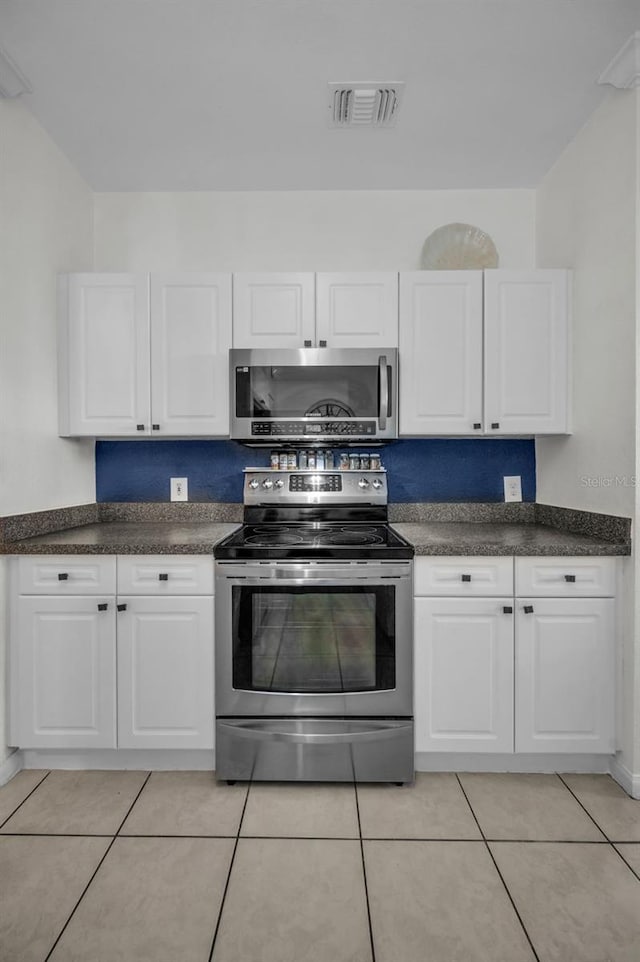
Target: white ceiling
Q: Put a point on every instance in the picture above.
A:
(232, 94)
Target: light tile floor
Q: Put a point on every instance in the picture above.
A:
(172, 867)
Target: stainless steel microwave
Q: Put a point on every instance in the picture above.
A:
(316, 395)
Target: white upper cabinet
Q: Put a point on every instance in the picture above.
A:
(357, 310)
(273, 310)
(190, 341)
(492, 364)
(139, 358)
(315, 310)
(103, 354)
(526, 351)
(441, 352)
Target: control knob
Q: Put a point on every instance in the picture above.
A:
(363, 483)
(267, 483)
(278, 483)
(377, 483)
(253, 484)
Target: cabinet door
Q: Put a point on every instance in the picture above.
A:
(190, 341)
(357, 310)
(565, 675)
(103, 351)
(526, 352)
(165, 673)
(273, 310)
(66, 657)
(441, 353)
(463, 675)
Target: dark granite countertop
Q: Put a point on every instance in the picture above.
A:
(127, 537)
(490, 538)
(433, 529)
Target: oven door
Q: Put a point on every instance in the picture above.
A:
(314, 638)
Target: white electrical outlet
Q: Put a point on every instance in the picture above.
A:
(513, 488)
(179, 489)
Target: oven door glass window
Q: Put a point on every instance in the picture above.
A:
(306, 639)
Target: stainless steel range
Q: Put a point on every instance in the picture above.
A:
(314, 633)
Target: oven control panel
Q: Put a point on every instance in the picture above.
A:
(270, 486)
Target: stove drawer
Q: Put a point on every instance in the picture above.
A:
(165, 575)
(462, 576)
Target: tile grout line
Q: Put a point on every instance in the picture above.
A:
(364, 875)
(97, 869)
(571, 792)
(18, 807)
(500, 875)
(226, 884)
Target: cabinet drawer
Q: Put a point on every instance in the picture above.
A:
(567, 577)
(463, 576)
(165, 575)
(67, 575)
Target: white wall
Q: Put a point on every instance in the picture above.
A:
(46, 223)
(289, 230)
(587, 219)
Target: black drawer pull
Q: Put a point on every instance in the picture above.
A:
(103, 607)
(477, 425)
(495, 424)
(307, 343)
(155, 427)
(122, 607)
(465, 577)
(322, 343)
(528, 609)
(571, 578)
(63, 576)
(139, 427)
(163, 577)
(507, 609)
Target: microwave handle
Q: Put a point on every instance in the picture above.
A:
(383, 381)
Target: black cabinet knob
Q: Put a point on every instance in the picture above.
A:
(139, 427)
(122, 607)
(477, 425)
(507, 609)
(63, 576)
(307, 343)
(103, 607)
(155, 427)
(465, 577)
(495, 424)
(528, 609)
(163, 577)
(322, 343)
(571, 578)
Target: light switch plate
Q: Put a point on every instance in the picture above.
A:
(179, 489)
(513, 488)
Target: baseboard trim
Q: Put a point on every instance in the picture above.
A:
(124, 759)
(625, 778)
(532, 763)
(11, 766)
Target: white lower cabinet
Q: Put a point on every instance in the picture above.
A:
(565, 683)
(65, 696)
(464, 674)
(165, 672)
(530, 674)
(65, 689)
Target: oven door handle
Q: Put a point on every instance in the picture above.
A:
(383, 382)
(256, 732)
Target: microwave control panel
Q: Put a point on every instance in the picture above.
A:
(303, 428)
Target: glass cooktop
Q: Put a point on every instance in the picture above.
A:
(314, 540)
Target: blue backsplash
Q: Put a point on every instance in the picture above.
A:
(431, 469)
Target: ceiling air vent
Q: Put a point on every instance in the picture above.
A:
(364, 104)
